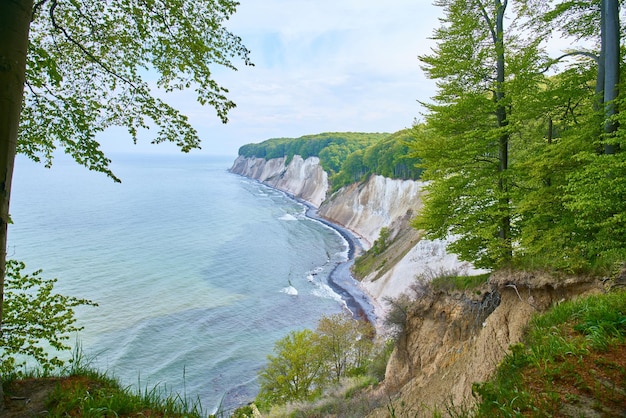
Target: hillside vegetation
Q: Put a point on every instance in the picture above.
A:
(347, 157)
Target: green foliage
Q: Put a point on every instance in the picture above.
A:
(346, 344)
(552, 351)
(382, 242)
(465, 144)
(93, 394)
(89, 69)
(454, 282)
(378, 366)
(561, 194)
(295, 372)
(305, 363)
(35, 320)
(332, 148)
(389, 157)
(347, 157)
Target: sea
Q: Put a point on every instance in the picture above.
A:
(197, 272)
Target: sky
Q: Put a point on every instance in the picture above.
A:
(320, 66)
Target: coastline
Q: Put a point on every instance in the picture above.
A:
(340, 280)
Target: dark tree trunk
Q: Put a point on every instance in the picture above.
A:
(503, 146)
(600, 78)
(611, 61)
(15, 17)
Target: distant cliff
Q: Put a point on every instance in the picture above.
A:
(364, 208)
(367, 207)
(304, 179)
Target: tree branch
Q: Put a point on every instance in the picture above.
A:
(36, 7)
(488, 20)
(595, 57)
(82, 48)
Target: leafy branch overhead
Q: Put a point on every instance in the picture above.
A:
(70, 69)
(95, 64)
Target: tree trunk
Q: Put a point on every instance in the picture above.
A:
(611, 49)
(505, 222)
(600, 77)
(15, 17)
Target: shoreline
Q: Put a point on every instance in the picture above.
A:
(340, 279)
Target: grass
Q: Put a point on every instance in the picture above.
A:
(452, 282)
(572, 363)
(351, 398)
(82, 392)
(92, 394)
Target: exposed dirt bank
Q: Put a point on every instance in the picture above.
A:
(454, 340)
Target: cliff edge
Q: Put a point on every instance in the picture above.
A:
(364, 209)
(304, 179)
(454, 339)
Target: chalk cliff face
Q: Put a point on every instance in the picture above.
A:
(364, 208)
(304, 179)
(368, 207)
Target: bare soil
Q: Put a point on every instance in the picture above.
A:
(27, 398)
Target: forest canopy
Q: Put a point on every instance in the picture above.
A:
(524, 152)
(348, 157)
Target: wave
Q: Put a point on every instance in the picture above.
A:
(324, 291)
(290, 290)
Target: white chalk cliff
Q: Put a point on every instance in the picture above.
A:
(364, 208)
(305, 179)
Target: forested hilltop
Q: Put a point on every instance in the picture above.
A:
(347, 157)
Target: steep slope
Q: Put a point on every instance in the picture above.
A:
(452, 340)
(364, 208)
(367, 207)
(304, 179)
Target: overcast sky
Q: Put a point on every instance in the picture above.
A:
(320, 66)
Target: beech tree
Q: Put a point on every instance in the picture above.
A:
(465, 149)
(304, 362)
(70, 69)
(35, 317)
(524, 157)
(346, 343)
(573, 211)
(596, 21)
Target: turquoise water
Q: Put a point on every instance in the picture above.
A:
(190, 266)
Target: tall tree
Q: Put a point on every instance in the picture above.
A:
(466, 150)
(345, 343)
(14, 23)
(86, 66)
(595, 21)
(611, 60)
(587, 225)
(296, 372)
